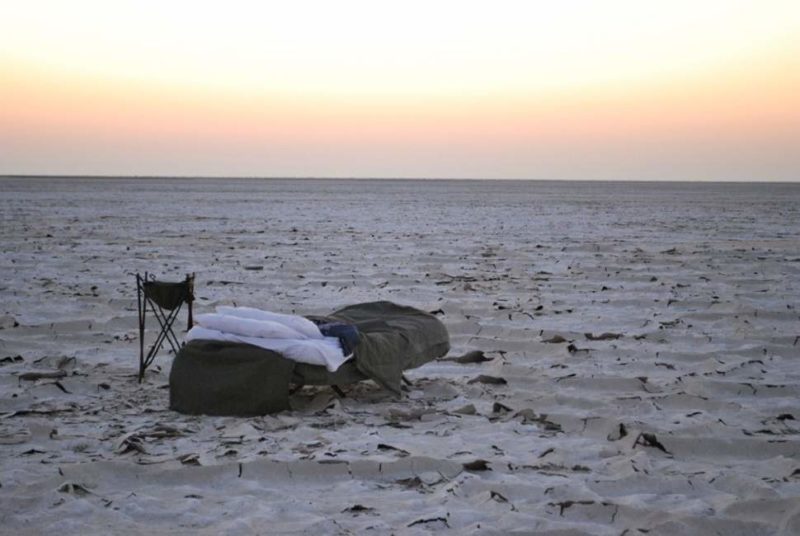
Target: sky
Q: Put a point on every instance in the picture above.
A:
(574, 89)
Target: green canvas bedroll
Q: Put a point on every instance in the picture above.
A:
(224, 378)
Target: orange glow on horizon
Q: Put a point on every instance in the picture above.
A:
(155, 119)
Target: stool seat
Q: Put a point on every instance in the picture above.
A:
(167, 295)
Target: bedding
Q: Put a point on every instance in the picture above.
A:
(218, 377)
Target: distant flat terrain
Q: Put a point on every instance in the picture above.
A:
(648, 335)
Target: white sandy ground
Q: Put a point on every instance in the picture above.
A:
(683, 420)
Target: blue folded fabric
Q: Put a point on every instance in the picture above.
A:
(346, 333)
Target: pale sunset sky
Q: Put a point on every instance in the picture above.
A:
(569, 89)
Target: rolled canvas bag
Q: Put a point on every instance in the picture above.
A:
(222, 378)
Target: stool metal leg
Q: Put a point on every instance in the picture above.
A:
(141, 300)
(166, 321)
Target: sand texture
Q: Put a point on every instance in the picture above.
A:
(630, 359)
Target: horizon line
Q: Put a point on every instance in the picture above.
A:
(310, 177)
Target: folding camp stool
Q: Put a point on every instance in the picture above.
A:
(165, 300)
